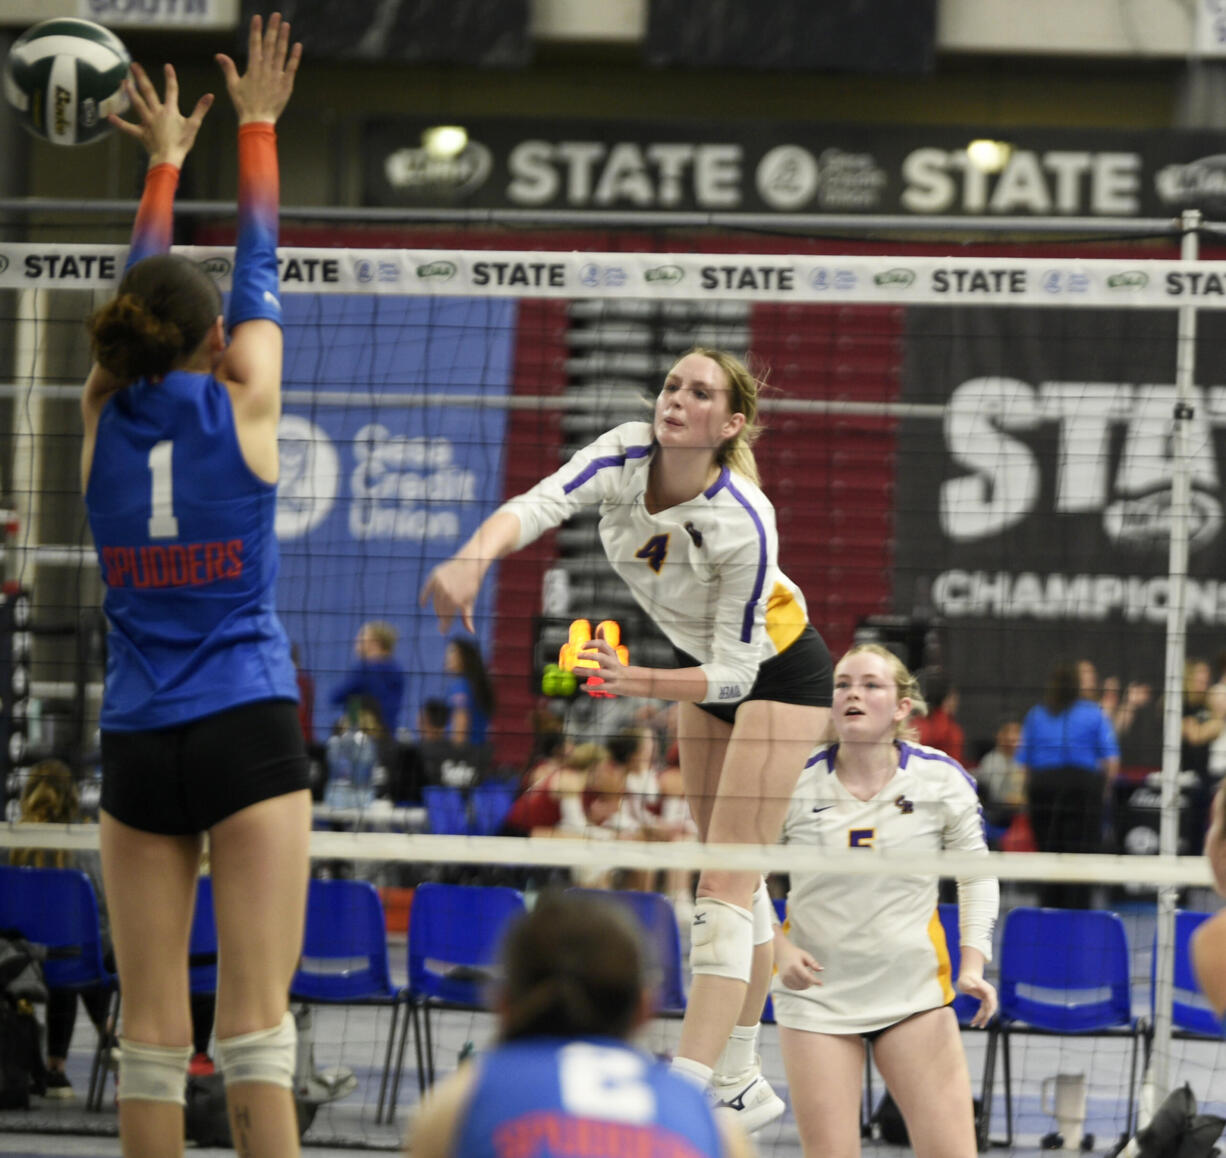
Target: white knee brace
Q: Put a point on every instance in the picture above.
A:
(763, 915)
(721, 939)
(153, 1073)
(267, 1055)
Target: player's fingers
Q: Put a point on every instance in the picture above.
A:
(144, 85)
(272, 34)
(126, 127)
(134, 95)
(229, 69)
(295, 58)
(202, 106)
(255, 41)
(171, 84)
(466, 616)
(281, 47)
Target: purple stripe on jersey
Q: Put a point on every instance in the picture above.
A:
(760, 581)
(589, 471)
(826, 755)
(905, 750)
(717, 485)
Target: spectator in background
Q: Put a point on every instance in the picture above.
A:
(1071, 758)
(1001, 779)
(306, 696)
(443, 761)
(376, 673)
(469, 695)
(939, 729)
(50, 797)
(1121, 710)
(548, 753)
(1203, 720)
(562, 798)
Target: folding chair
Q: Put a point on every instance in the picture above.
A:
(1063, 972)
(344, 957)
(202, 950)
(446, 810)
(658, 920)
(1191, 1014)
(58, 909)
(490, 803)
(455, 932)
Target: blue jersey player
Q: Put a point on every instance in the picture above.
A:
(563, 1080)
(199, 724)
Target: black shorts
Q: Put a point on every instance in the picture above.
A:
(801, 674)
(183, 780)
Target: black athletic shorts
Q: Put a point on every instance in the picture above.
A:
(802, 674)
(183, 780)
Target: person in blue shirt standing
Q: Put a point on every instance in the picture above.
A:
(376, 674)
(1071, 757)
(199, 720)
(563, 1078)
(469, 695)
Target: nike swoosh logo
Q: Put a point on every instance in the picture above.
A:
(823, 807)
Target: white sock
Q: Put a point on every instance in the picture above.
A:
(739, 1052)
(699, 1074)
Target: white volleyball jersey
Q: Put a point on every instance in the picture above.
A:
(879, 938)
(706, 571)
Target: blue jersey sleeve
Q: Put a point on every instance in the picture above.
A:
(254, 293)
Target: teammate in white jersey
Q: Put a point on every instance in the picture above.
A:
(865, 958)
(685, 524)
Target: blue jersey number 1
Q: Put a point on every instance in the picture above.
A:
(162, 521)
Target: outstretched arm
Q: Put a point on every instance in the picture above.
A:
(453, 586)
(252, 362)
(167, 136)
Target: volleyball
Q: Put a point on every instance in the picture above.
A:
(64, 76)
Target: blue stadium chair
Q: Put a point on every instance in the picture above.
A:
(344, 957)
(490, 803)
(1191, 1014)
(446, 811)
(58, 910)
(1062, 972)
(455, 932)
(658, 920)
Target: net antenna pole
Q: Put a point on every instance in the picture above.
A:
(1176, 642)
(29, 434)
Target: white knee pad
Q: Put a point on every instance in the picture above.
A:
(153, 1073)
(763, 915)
(721, 939)
(267, 1055)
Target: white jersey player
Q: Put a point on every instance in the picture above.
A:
(865, 957)
(686, 526)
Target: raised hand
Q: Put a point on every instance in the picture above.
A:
(166, 134)
(263, 91)
(452, 587)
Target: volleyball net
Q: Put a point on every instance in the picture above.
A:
(980, 461)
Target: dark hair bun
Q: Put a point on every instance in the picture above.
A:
(131, 342)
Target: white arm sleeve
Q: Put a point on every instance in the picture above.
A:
(589, 477)
(978, 896)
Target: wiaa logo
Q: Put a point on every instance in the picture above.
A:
(664, 275)
(218, 268)
(1144, 521)
(416, 171)
(1200, 183)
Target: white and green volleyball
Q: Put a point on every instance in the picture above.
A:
(64, 76)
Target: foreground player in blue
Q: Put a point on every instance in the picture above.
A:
(563, 1080)
(864, 958)
(199, 723)
(687, 528)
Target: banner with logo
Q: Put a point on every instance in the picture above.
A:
(1034, 498)
(386, 470)
(774, 167)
